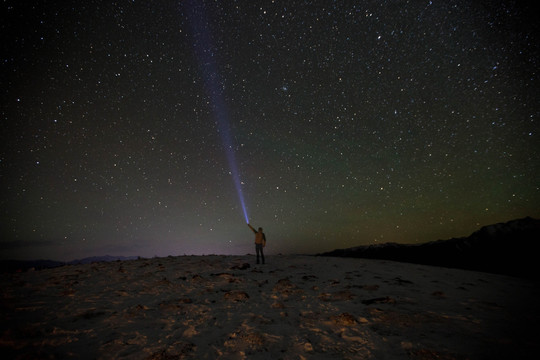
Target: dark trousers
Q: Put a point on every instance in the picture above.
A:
(259, 249)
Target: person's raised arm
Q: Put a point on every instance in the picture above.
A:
(251, 227)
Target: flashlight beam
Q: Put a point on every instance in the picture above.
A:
(206, 57)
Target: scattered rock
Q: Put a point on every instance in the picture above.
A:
(379, 300)
(197, 278)
(243, 266)
(177, 350)
(428, 354)
(337, 296)
(91, 313)
(175, 305)
(190, 332)
(227, 276)
(344, 319)
(245, 340)
(235, 295)
(162, 315)
(223, 275)
(284, 284)
(401, 281)
(278, 305)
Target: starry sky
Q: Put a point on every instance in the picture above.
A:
(135, 127)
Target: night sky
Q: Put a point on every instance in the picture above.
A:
(127, 125)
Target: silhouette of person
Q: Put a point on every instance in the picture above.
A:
(260, 242)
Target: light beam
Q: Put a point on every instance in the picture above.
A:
(205, 52)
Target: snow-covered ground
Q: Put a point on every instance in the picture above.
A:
(294, 307)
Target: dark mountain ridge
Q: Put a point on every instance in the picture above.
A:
(503, 248)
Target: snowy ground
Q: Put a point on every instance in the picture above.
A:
(294, 307)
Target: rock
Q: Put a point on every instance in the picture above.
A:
(235, 295)
(344, 319)
(243, 266)
(386, 300)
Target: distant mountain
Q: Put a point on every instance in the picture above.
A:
(106, 258)
(23, 265)
(505, 248)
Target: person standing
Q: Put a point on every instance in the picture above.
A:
(260, 242)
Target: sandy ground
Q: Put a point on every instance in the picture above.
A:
(294, 307)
